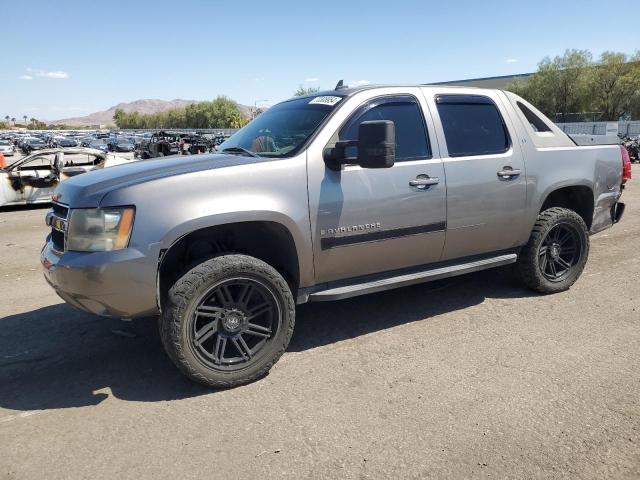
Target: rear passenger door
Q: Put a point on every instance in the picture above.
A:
(485, 171)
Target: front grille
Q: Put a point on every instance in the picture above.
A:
(57, 238)
(60, 210)
(58, 229)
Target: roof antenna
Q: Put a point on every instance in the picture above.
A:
(340, 85)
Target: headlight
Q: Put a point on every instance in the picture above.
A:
(99, 229)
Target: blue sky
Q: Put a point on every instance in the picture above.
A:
(70, 58)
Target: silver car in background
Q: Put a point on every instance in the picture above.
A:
(7, 148)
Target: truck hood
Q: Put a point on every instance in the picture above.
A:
(87, 190)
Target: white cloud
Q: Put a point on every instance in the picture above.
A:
(357, 83)
(56, 74)
(311, 79)
(31, 72)
(512, 60)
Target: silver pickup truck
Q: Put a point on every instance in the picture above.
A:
(324, 197)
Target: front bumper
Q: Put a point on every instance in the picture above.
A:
(121, 283)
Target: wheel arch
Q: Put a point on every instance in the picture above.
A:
(576, 197)
(268, 240)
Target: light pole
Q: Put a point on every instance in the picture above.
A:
(255, 107)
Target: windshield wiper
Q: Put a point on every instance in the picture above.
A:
(240, 150)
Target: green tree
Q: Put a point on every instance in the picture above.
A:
(559, 85)
(574, 83)
(219, 113)
(119, 117)
(302, 91)
(614, 85)
(35, 124)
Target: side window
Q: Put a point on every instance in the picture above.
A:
(412, 142)
(472, 125)
(536, 122)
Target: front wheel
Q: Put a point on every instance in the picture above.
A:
(228, 320)
(556, 253)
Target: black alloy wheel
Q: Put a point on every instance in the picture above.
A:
(233, 322)
(560, 252)
(227, 321)
(556, 253)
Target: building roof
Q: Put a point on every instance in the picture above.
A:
(499, 82)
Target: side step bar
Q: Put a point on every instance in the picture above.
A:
(353, 290)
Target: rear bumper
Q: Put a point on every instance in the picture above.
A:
(111, 284)
(617, 211)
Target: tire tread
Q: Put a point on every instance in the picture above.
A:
(180, 295)
(527, 265)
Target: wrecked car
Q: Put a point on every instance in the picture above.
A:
(165, 143)
(33, 178)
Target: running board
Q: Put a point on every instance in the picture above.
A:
(353, 290)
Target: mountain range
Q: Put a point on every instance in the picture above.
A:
(144, 106)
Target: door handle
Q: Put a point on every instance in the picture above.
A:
(423, 181)
(508, 172)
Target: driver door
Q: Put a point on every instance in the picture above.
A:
(365, 220)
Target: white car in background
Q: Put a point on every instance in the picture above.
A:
(33, 178)
(6, 148)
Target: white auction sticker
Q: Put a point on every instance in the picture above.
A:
(327, 100)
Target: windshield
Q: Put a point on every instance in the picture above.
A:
(283, 128)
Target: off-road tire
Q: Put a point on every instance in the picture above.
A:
(182, 299)
(528, 268)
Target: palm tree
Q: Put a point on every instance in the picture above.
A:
(7, 118)
(13, 119)
(25, 119)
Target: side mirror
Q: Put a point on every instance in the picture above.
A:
(377, 144)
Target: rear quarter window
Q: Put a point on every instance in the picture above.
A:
(536, 122)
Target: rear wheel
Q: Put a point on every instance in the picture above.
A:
(556, 253)
(228, 320)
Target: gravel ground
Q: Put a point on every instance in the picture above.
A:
(469, 377)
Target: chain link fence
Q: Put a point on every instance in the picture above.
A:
(630, 129)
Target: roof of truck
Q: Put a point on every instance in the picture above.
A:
(347, 91)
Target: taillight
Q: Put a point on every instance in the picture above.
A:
(626, 164)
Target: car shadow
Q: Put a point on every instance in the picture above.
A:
(58, 357)
(25, 207)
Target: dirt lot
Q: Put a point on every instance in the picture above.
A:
(470, 377)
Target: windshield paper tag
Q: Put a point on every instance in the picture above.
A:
(328, 100)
